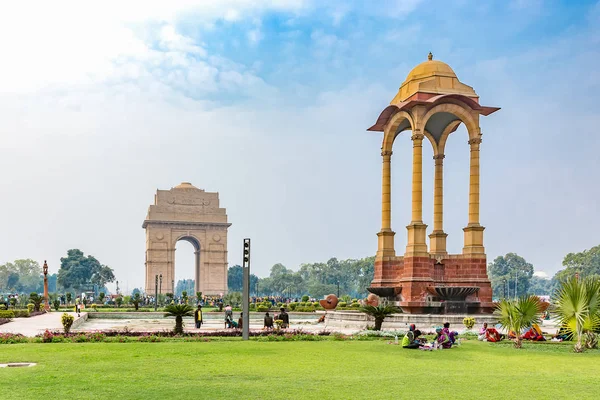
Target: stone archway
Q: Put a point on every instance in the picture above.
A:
(187, 213)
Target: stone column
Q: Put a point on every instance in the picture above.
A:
(437, 239)
(417, 245)
(385, 246)
(197, 270)
(474, 231)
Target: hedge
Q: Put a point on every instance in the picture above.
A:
(14, 314)
(7, 314)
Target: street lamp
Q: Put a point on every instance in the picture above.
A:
(504, 281)
(338, 287)
(160, 285)
(46, 302)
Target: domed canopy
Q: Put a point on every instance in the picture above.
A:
(433, 77)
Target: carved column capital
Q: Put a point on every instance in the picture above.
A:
(387, 153)
(439, 156)
(475, 141)
(417, 136)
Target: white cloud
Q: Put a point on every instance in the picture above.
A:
(72, 42)
(541, 274)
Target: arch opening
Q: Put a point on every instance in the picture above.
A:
(186, 266)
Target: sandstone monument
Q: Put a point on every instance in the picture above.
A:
(187, 213)
(432, 103)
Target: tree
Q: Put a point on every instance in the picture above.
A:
(508, 268)
(179, 311)
(540, 286)
(77, 270)
(135, 300)
(235, 278)
(24, 275)
(379, 312)
(586, 263)
(101, 297)
(514, 315)
(578, 306)
(102, 276)
(36, 300)
(186, 285)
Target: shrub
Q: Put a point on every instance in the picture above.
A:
(7, 314)
(10, 338)
(56, 304)
(47, 337)
(469, 322)
(293, 306)
(305, 298)
(252, 306)
(262, 308)
(316, 304)
(279, 305)
(30, 307)
(21, 313)
(342, 304)
(67, 322)
(355, 305)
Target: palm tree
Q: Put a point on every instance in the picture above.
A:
(179, 311)
(135, 300)
(514, 315)
(578, 307)
(379, 312)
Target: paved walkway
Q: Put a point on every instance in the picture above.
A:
(35, 325)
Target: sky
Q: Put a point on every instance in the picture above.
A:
(268, 102)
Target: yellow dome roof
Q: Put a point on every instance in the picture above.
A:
(185, 185)
(432, 76)
(430, 68)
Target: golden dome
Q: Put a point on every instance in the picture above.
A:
(185, 185)
(430, 68)
(432, 76)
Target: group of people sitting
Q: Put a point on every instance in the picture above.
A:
(444, 338)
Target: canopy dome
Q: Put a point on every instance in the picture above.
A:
(432, 76)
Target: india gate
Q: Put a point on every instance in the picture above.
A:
(187, 213)
(431, 104)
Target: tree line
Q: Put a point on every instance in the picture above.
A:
(77, 273)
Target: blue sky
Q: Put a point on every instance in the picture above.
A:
(268, 103)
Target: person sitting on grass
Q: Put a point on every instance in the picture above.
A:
(268, 322)
(451, 335)
(442, 339)
(492, 335)
(534, 333)
(482, 332)
(410, 340)
(563, 334)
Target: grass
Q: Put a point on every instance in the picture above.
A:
(297, 370)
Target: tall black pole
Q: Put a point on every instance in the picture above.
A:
(156, 293)
(246, 291)
(504, 280)
(338, 293)
(160, 284)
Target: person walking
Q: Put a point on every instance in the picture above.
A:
(198, 317)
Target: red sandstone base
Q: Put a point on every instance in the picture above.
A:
(426, 285)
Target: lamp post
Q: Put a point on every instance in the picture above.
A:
(117, 287)
(516, 284)
(173, 287)
(156, 292)
(46, 303)
(160, 284)
(338, 287)
(504, 281)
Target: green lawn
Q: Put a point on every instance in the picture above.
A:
(296, 370)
